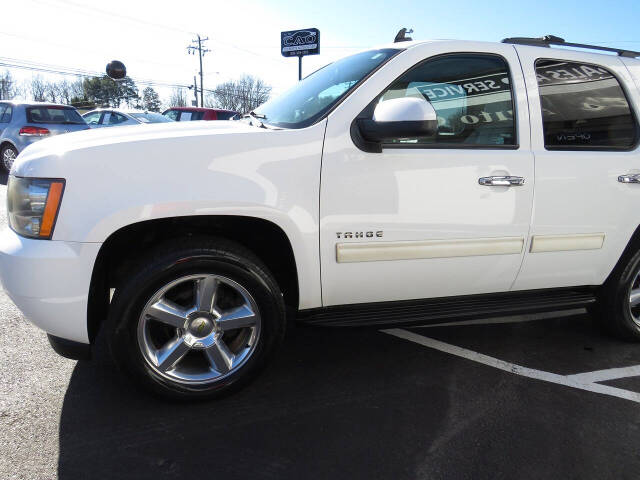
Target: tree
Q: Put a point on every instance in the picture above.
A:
(38, 89)
(178, 97)
(151, 100)
(8, 86)
(51, 92)
(242, 95)
(108, 92)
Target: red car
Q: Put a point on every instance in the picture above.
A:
(184, 114)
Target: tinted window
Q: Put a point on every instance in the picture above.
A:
(197, 115)
(151, 117)
(116, 118)
(172, 114)
(583, 106)
(471, 94)
(225, 115)
(92, 118)
(53, 114)
(5, 113)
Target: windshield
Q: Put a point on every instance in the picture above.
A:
(312, 97)
(150, 117)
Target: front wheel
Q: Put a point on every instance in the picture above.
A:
(200, 319)
(8, 156)
(619, 302)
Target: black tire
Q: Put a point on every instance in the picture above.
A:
(613, 308)
(7, 148)
(175, 260)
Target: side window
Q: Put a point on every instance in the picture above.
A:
(583, 106)
(197, 115)
(225, 115)
(3, 107)
(92, 118)
(116, 118)
(172, 114)
(471, 94)
(185, 117)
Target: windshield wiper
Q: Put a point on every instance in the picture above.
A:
(257, 116)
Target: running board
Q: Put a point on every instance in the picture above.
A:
(449, 308)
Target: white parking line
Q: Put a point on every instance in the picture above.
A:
(580, 381)
(608, 374)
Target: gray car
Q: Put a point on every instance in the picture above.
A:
(21, 124)
(109, 117)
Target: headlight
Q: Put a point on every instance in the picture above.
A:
(33, 205)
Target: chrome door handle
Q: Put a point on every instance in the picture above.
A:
(629, 178)
(501, 181)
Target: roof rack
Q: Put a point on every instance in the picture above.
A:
(549, 40)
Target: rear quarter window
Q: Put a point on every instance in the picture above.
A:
(583, 107)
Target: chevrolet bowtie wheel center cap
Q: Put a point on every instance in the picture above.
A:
(201, 327)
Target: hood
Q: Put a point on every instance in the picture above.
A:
(60, 144)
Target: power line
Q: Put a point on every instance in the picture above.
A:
(156, 25)
(86, 73)
(77, 49)
(116, 15)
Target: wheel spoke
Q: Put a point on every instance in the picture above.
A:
(220, 356)
(167, 312)
(237, 318)
(206, 293)
(171, 353)
(634, 297)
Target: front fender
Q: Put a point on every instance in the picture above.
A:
(268, 174)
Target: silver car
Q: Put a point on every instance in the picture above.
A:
(108, 117)
(21, 124)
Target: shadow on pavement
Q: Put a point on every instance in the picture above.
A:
(339, 403)
(3, 177)
(331, 405)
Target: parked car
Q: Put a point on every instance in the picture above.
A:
(184, 114)
(21, 124)
(459, 179)
(109, 117)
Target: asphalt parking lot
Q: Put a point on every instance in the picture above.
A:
(523, 397)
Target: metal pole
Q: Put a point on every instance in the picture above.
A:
(201, 75)
(300, 68)
(195, 89)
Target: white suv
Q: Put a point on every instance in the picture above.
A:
(414, 182)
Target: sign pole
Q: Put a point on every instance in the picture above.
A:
(298, 43)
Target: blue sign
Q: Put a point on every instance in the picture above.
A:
(298, 43)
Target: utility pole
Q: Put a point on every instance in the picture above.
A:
(195, 90)
(201, 51)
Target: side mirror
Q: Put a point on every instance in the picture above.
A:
(405, 117)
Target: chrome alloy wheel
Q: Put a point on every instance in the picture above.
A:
(8, 157)
(198, 329)
(634, 299)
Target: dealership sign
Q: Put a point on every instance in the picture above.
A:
(297, 43)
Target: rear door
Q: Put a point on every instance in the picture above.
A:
(414, 221)
(584, 137)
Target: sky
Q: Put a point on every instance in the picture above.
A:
(151, 37)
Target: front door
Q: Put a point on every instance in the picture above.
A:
(430, 217)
